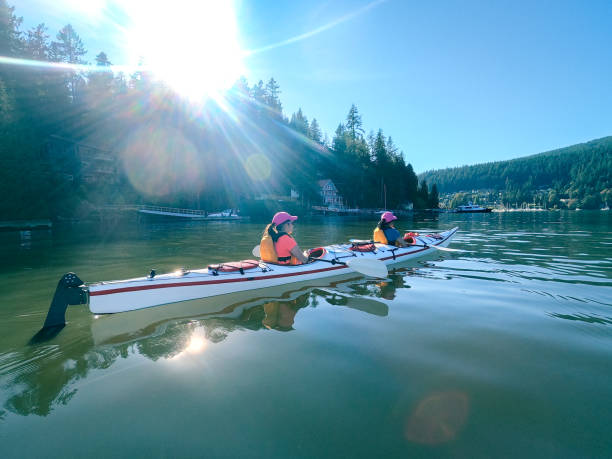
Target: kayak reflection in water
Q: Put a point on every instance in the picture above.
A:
(280, 315)
(386, 233)
(388, 287)
(277, 244)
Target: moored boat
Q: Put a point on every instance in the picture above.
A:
(472, 208)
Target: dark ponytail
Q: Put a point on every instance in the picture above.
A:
(383, 225)
(273, 232)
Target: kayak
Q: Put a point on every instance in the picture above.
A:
(232, 277)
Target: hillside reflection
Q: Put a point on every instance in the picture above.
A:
(44, 376)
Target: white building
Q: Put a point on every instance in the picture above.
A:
(330, 195)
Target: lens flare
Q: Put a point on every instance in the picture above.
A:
(160, 161)
(258, 167)
(438, 418)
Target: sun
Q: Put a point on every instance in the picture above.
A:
(192, 46)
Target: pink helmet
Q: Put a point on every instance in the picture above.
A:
(388, 217)
(282, 217)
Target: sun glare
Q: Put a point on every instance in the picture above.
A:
(192, 46)
(196, 345)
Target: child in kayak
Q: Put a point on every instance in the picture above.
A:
(277, 244)
(386, 233)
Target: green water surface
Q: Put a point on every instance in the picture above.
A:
(503, 350)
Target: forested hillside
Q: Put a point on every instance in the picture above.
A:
(159, 148)
(575, 176)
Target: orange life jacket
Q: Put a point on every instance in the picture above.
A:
(266, 249)
(267, 252)
(379, 236)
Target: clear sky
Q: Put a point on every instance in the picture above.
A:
(453, 82)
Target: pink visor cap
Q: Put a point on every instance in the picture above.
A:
(282, 217)
(388, 217)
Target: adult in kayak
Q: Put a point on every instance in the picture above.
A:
(385, 231)
(277, 244)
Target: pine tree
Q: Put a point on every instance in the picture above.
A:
(10, 36)
(434, 198)
(36, 44)
(315, 131)
(299, 122)
(6, 110)
(391, 148)
(370, 142)
(423, 195)
(411, 184)
(354, 125)
(380, 154)
(70, 49)
(272, 91)
(102, 60)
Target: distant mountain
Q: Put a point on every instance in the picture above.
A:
(580, 173)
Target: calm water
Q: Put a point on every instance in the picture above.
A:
(503, 350)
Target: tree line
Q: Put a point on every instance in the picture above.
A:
(577, 176)
(216, 155)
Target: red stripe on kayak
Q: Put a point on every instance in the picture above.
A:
(220, 281)
(402, 254)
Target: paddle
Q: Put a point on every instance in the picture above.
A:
(367, 267)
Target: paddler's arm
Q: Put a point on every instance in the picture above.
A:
(297, 253)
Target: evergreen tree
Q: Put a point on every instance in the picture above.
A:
(434, 197)
(7, 116)
(102, 60)
(258, 92)
(299, 122)
(315, 132)
(70, 49)
(325, 140)
(370, 139)
(423, 196)
(10, 36)
(391, 148)
(380, 154)
(354, 125)
(36, 44)
(272, 91)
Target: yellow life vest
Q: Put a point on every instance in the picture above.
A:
(266, 249)
(379, 236)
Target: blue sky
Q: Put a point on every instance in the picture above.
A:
(452, 82)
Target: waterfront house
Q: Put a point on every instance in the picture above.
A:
(330, 195)
(80, 162)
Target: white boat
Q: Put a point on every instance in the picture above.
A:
(472, 208)
(154, 290)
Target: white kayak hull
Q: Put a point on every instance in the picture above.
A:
(145, 292)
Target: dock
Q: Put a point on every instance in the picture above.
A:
(25, 225)
(189, 214)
